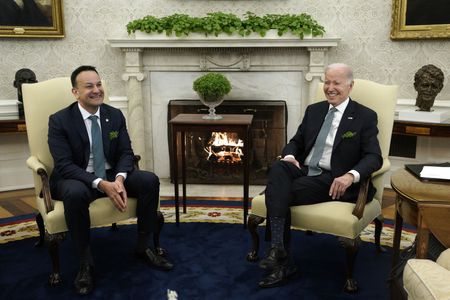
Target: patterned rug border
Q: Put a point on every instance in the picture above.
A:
(23, 227)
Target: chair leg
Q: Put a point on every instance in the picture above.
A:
(351, 248)
(253, 222)
(114, 227)
(160, 223)
(40, 224)
(378, 228)
(53, 241)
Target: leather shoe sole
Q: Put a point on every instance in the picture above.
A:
(279, 276)
(154, 261)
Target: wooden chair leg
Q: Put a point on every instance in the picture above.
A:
(114, 227)
(253, 222)
(378, 228)
(53, 241)
(351, 248)
(160, 223)
(40, 224)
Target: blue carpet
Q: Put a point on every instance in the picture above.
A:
(209, 264)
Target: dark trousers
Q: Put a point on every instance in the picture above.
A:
(77, 197)
(289, 186)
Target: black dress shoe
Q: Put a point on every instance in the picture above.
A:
(278, 276)
(275, 258)
(155, 261)
(84, 282)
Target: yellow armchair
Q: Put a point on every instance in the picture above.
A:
(342, 219)
(40, 101)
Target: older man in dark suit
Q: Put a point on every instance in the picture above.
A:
(93, 158)
(335, 147)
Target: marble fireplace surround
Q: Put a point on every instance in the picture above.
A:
(161, 69)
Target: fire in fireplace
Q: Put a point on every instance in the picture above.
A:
(216, 157)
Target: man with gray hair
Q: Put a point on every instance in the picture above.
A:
(335, 148)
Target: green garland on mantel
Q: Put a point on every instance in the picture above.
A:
(219, 22)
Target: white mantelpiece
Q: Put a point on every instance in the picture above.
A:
(149, 64)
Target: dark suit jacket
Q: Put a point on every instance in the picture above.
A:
(69, 143)
(361, 152)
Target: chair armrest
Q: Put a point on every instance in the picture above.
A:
(137, 159)
(39, 168)
(34, 164)
(358, 211)
(384, 168)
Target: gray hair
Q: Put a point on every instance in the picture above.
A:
(346, 68)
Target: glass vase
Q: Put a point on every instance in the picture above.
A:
(211, 103)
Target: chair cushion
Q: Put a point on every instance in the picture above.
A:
(317, 217)
(444, 260)
(425, 279)
(102, 212)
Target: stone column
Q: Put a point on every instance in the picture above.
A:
(136, 122)
(317, 61)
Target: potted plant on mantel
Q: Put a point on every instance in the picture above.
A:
(216, 24)
(211, 89)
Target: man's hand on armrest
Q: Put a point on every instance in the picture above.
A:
(340, 185)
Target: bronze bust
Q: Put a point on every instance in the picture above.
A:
(428, 82)
(23, 76)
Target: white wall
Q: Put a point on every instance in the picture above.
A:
(364, 27)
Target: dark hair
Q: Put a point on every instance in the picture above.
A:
(73, 77)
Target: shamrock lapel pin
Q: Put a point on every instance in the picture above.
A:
(348, 135)
(113, 135)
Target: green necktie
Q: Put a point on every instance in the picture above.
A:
(313, 167)
(97, 148)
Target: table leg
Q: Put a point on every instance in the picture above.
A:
(183, 167)
(246, 174)
(175, 175)
(423, 236)
(397, 236)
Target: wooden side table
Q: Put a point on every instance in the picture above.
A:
(411, 194)
(183, 123)
(421, 128)
(13, 126)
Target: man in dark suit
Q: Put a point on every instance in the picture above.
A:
(334, 149)
(93, 158)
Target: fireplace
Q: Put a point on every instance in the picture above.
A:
(215, 157)
(159, 69)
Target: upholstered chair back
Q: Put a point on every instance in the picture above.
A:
(41, 100)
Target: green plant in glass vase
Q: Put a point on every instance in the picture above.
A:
(211, 89)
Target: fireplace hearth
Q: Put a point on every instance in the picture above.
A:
(216, 157)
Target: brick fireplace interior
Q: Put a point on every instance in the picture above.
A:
(214, 158)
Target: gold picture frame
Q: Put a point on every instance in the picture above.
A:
(420, 19)
(32, 19)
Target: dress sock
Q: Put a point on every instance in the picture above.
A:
(277, 228)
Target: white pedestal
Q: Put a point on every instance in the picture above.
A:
(438, 115)
(9, 110)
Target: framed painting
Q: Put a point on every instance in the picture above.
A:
(420, 19)
(31, 19)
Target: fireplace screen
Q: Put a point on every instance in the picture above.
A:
(216, 157)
